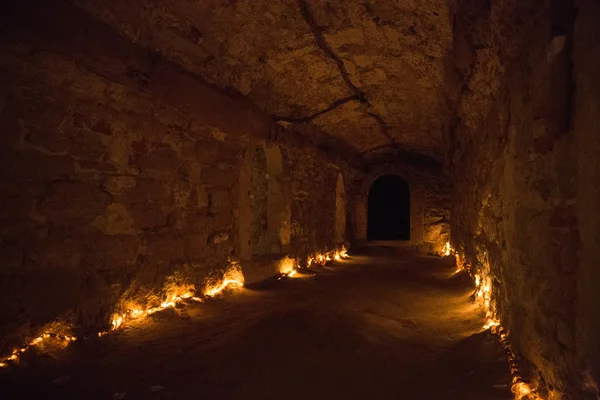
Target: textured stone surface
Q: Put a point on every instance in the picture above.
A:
(586, 63)
(521, 197)
(114, 176)
(369, 73)
(128, 132)
(429, 189)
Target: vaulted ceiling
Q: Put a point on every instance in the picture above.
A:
(369, 74)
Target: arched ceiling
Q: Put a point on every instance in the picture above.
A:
(369, 74)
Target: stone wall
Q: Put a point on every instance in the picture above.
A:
(586, 124)
(429, 190)
(119, 170)
(313, 198)
(523, 171)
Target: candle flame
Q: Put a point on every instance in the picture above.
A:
(447, 249)
(55, 334)
(287, 266)
(215, 290)
(233, 277)
(340, 254)
(483, 294)
(176, 293)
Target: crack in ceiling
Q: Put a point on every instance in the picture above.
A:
(371, 74)
(332, 106)
(358, 94)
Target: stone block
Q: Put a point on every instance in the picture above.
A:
(93, 166)
(10, 130)
(258, 270)
(86, 144)
(191, 171)
(164, 247)
(201, 197)
(74, 202)
(112, 251)
(223, 220)
(17, 200)
(149, 190)
(51, 291)
(103, 126)
(56, 251)
(15, 210)
(116, 220)
(50, 139)
(219, 200)
(11, 253)
(221, 177)
(196, 245)
(14, 320)
(565, 333)
(181, 194)
(130, 189)
(118, 186)
(217, 238)
(41, 112)
(140, 146)
(82, 120)
(207, 151)
(34, 166)
(199, 222)
(564, 216)
(165, 161)
(148, 215)
(118, 151)
(188, 150)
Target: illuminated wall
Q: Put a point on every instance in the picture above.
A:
(525, 181)
(120, 171)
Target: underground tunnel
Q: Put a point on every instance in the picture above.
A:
(304, 199)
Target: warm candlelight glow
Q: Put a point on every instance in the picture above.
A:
(483, 295)
(176, 293)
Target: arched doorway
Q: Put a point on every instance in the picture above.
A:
(340, 210)
(388, 209)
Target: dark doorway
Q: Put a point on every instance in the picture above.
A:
(389, 209)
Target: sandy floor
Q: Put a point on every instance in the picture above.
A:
(382, 325)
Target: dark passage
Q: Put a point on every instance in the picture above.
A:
(389, 209)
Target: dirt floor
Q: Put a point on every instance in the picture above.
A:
(381, 325)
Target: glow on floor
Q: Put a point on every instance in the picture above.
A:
(59, 333)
